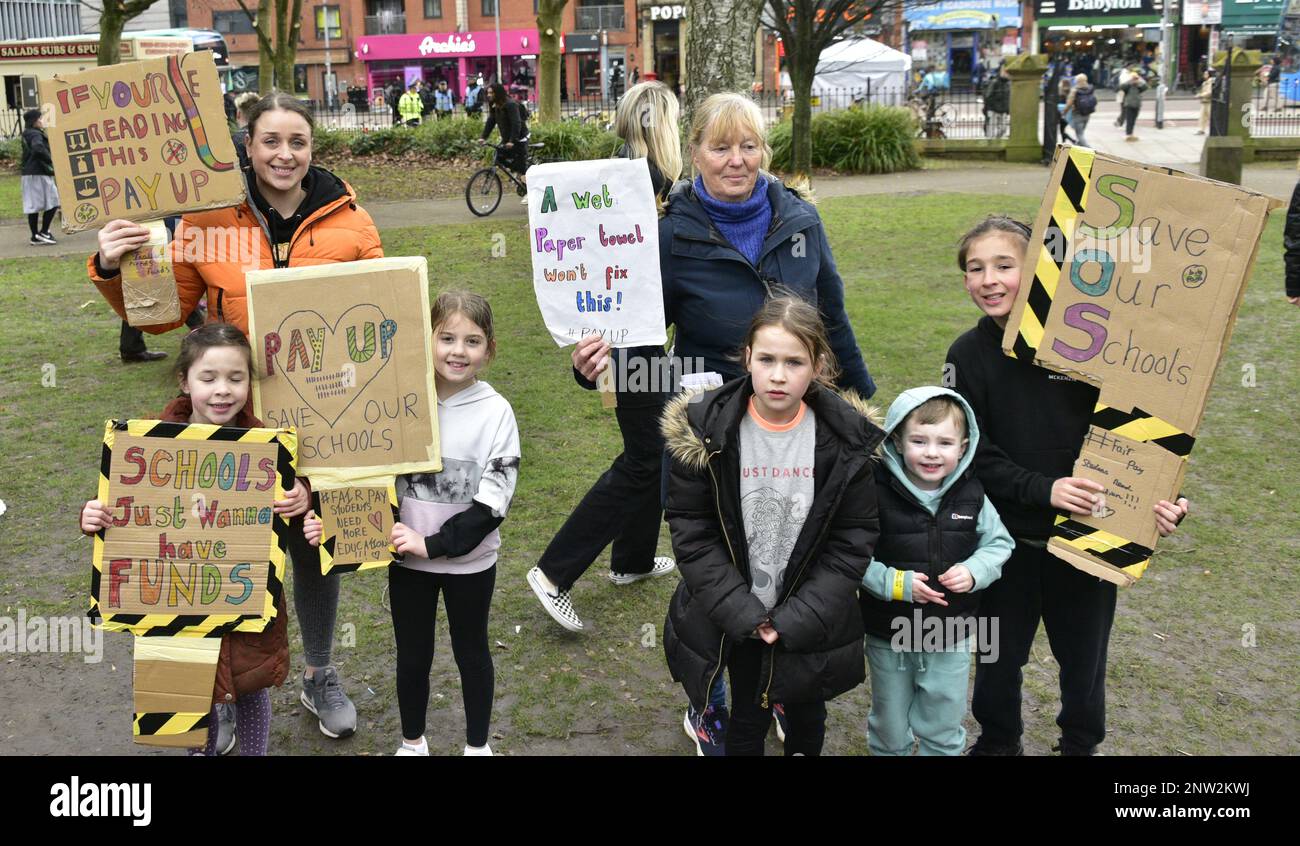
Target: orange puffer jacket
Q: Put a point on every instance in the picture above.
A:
(212, 251)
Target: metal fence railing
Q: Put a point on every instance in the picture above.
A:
(944, 114)
(1274, 111)
(11, 123)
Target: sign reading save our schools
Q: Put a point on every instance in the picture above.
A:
(194, 547)
(344, 355)
(1133, 282)
(594, 239)
(140, 141)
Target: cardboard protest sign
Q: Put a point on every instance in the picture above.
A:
(1133, 281)
(174, 678)
(357, 522)
(148, 286)
(593, 232)
(194, 548)
(345, 354)
(140, 141)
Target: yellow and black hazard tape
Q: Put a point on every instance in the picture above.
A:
(1137, 425)
(327, 545)
(165, 723)
(1067, 206)
(198, 625)
(1116, 551)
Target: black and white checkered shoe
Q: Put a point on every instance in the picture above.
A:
(663, 566)
(558, 605)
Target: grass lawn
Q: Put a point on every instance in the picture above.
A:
(1203, 659)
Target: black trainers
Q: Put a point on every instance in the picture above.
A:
(992, 750)
(708, 730)
(46, 237)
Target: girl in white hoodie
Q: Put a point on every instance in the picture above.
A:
(448, 535)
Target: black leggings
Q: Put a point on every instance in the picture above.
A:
(45, 223)
(805, 722)
(413, 595)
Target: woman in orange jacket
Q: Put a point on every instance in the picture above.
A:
(296, 214)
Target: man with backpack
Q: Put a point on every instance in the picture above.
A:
(1080, 105)
(997, 104)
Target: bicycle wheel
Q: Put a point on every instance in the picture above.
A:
(483, 192)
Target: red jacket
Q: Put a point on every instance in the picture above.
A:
(249, 661)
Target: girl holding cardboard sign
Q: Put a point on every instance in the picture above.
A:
(1033, 423)
(215, 371)
(296, 214)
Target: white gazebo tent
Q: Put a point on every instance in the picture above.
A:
(874, 72)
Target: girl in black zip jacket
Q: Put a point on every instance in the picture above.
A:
(769, 573)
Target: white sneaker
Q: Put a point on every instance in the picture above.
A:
(484, 751)
(558, 605)
(405, 749)
(663, 566)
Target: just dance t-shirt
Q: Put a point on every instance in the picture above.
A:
(776, 491)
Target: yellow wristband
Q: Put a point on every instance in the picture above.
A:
(898, 584)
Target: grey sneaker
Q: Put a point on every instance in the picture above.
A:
(225, 728)
(323, 695)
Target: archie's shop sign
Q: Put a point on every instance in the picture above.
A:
(514, 42)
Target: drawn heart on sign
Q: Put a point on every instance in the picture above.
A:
(341, 379)
(376, 520)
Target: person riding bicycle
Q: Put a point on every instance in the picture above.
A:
(509, 117)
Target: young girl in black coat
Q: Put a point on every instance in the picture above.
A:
(772, 509)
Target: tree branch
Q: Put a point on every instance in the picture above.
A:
(257, 28)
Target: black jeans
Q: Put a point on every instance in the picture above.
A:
(1130, 118)
(131, 340)
(805, 723)
(622, 506)
(1077, 609)
(413, 595)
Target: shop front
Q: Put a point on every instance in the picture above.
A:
(1253, 24)
(663, 40)
(1101, 37)
(963, 38)
(456, 57)
(22, 63)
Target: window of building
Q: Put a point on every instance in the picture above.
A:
(489, 8)
(433, 8)
(177, 14)
(335, 23)
(232, 23)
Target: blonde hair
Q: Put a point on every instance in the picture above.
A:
(728, 115)
(647, 119)
(245, 101)
(473, 307)
(804, 322)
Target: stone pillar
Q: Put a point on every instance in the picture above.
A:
(1026, 72)
(1245, 65)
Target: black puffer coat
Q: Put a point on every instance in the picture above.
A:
(819, 653)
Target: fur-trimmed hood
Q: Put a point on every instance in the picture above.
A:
(698, 423)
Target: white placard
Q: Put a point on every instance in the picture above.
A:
(593, 232)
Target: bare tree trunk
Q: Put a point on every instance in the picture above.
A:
(265, 57)
(112, 20)
(719, 49)
(549, 58)
(802, 70)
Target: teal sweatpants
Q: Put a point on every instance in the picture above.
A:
(917, 696)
